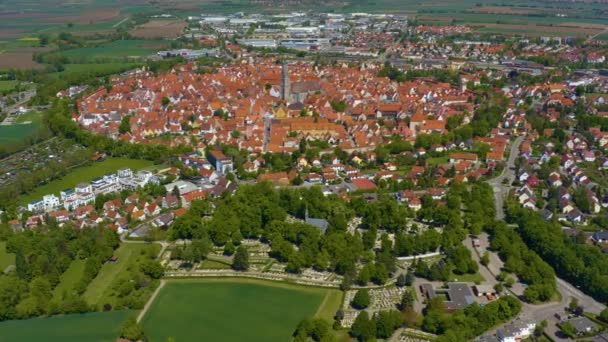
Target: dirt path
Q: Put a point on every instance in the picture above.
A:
(143, 311)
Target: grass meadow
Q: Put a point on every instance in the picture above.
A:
(6, 259)
(235, 310)
(100, 291)
(69, 279)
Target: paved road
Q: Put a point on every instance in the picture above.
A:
(567, 291)
(490, 279)
(501, 190)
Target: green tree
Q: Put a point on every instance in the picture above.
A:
(152, 268)
(229, 248)
(401, 280)
(131, 330)
(21, 265)
(241, 259)
(361, 299)
(363, 328)
(603, 316)
(407, 301)
(125, 125)
(387, 322)
(485, 259)
(568, 329)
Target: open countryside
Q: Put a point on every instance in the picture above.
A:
(209, 310)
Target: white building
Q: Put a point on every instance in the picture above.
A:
(85, 193)
(51, 202)
(516, 331)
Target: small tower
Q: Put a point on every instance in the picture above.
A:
(285, 83)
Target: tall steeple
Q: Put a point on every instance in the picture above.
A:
(285, 83)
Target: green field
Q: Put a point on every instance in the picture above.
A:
(91, 327)
(14, 133)
(31, 116)
(438, 160)
(116, 50)
(234, 310)
(99, 290)
(69, 278)
(8, 85)
(83, 174)
(94, 68)
(6, 259)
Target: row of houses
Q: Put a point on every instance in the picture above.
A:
(85, 193)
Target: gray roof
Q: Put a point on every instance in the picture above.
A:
(512, 329)
(460, 296)
(600, 338)
(322, 224)
(600, 236)
(582, 324)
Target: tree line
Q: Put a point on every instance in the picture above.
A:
(41, 256)
(578, 263)
(259, 212)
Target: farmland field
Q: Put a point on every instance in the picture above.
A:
(160, 29)
(95, 327)
(82, 174)
(116, 50)
(94, 69)
(18, 60)
(235, 310)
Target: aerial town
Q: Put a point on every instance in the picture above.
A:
(406, 180)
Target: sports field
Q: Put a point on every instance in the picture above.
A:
(84, 174)
(93, 327)
(235, 310)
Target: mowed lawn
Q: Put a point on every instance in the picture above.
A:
(90, 327)
(234, 310)
(6, 259)
(127, 254)
(84, 174)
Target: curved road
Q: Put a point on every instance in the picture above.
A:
(567, 291)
